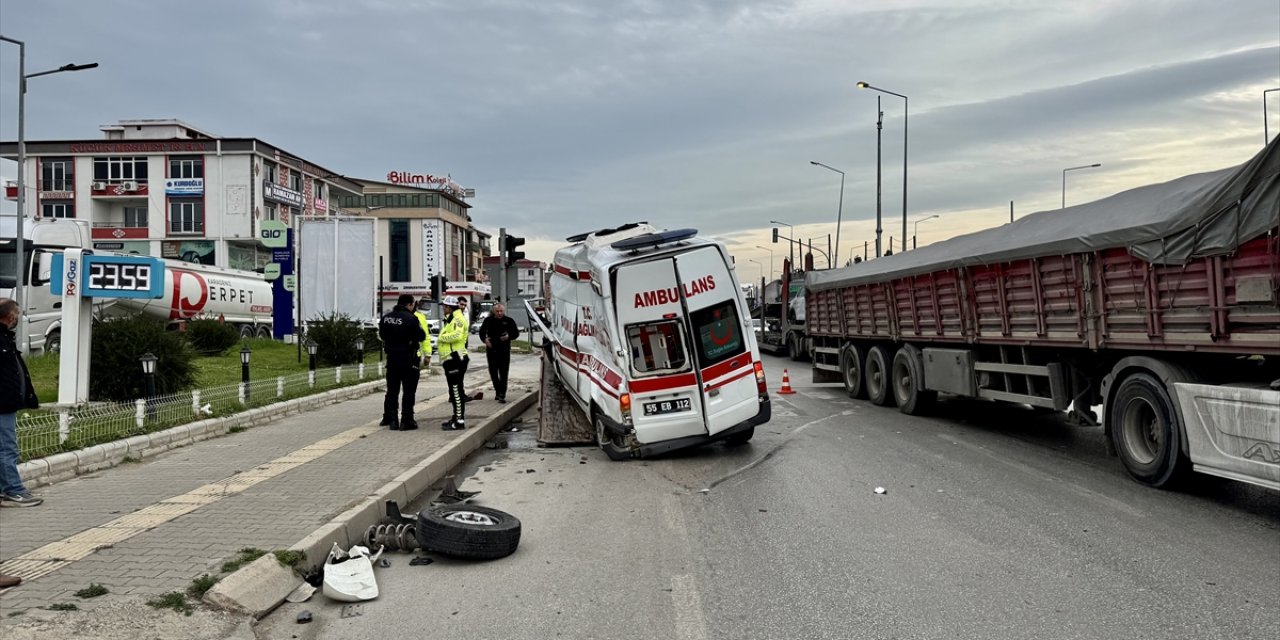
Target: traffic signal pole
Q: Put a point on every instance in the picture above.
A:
(502, 265)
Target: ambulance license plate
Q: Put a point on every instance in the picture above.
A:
(667, 406)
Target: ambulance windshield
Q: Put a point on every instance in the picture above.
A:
(656, 347)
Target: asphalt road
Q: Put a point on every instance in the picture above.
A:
(995, 523)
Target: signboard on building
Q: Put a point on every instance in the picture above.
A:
(184, 186)
(197, 251)
(282, 194)
(322, 205)
(55, 195)
(439, 183)
(140, 248)
(434, 248)
(273, 233)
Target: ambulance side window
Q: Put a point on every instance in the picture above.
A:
(719, 333)
(656, 346)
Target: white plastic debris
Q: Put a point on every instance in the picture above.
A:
(348, 575)
(881, 491)
(301, 594)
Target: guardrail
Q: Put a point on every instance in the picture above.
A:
(43, 432)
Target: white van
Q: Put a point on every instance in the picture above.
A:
(650, 334)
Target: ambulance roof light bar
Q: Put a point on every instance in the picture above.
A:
(651, 240)
(604, 232)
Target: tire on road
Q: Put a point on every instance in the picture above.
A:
(879, 390)
(608, 442)
(852, 361)
(1146, 431)
(907, 376)
(468, 531)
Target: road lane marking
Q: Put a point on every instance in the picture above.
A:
(688, 608)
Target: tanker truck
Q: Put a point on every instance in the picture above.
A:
(240, 298)
(1160, 306)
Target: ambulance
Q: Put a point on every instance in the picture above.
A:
(651, 336)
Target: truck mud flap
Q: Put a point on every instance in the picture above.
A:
(560, 420)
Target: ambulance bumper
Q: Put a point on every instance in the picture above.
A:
(657, 448)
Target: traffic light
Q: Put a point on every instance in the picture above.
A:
(437, 286)
(509, 254)
(775, 235)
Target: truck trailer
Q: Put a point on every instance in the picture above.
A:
(1160, 304)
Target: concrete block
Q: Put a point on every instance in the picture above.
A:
(318, 544)
(106, 455)
(62, 466)
(256, 588)
(137, 444)
(33, 472)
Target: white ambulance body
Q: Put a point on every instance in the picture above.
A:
(651, 335)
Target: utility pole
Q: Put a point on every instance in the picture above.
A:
(879, 129)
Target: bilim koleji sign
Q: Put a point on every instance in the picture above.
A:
(433, 248)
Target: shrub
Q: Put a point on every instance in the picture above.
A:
(210, 337)
(335, 336)
(115, 372)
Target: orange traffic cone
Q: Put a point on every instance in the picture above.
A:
(786, 384)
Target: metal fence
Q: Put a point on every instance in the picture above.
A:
(44, 432)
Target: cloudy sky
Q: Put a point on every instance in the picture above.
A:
(568, 115)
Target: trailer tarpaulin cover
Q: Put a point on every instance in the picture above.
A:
(1194, 216)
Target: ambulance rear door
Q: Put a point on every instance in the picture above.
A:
(722, 354)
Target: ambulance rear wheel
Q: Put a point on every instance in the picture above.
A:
(879, 391)
(610, 443)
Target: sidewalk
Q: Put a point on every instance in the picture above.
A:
(145, 529)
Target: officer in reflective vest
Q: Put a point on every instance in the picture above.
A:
(402, 337)
(424, 351)
(452, 345)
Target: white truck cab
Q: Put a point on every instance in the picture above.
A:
(651, 335)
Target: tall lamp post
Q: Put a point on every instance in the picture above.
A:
(915, 228)
(839, 207)
(20, 265)
(863, 85)
(791, 233)
(1266, 135)
(770, 260)
(1064, 178)
(759, 294)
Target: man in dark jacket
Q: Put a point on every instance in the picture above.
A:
(16, 393)
(402, 337)
(497, 331)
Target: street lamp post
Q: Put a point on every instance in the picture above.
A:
(791, 233)
(360, 357)
(21, 272)
(915, 228)
(1266, 134)
(311, 368)
(839, 207)
(759, 294)
(1064, 179)
(863, 85)
(770, 260)
(149, 361)
(244, 371)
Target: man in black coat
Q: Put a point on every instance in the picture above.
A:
(497, 331)
(402, 337)
(16, 394)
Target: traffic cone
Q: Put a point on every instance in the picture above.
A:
(786, 384)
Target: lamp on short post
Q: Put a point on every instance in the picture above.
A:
(360, 357)
(245, 353)
(149, 361)
(311, 353)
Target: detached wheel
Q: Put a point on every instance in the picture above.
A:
(1146, 431)
(609, 443)
(877, 376)
(851, 364)
(908, 382)
(468, 531)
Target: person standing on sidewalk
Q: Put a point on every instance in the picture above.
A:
(402, 338)
(452, 345)
(498, 331)
(16, 393)
(424, 351)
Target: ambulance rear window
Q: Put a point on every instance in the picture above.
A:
(656, 347)
(719, 333)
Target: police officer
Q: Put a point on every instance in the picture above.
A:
(402, 337)
(424, 304)
(452, 345)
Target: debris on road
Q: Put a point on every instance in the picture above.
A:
(881, 491)
(468, 531)
(348, 575)
(304, 617)
(451, 494)
(421, 561)
(302, 594)
(352, 610)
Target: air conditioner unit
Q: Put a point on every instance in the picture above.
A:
(99, 186)
(129, 185)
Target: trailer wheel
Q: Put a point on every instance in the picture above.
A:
(468, 531)
(1146, 431)
(793, 347)
(852, 360)
(246, 331)
(608, 442)
(877, 376)
(264, 332)
(908, 382)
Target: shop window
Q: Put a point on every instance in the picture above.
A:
(186, 167)
(120, 168)
(186, 217)
(57, 210)
(57, 174)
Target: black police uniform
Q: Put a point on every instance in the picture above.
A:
(401, 337)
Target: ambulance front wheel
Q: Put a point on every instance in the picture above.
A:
(609, 442)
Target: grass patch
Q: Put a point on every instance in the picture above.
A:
(237, 429)
(130, 460)
(291, 558)
(92, 591)
(172, 600)
(201, 585)
(63, 606)
(247, 555)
